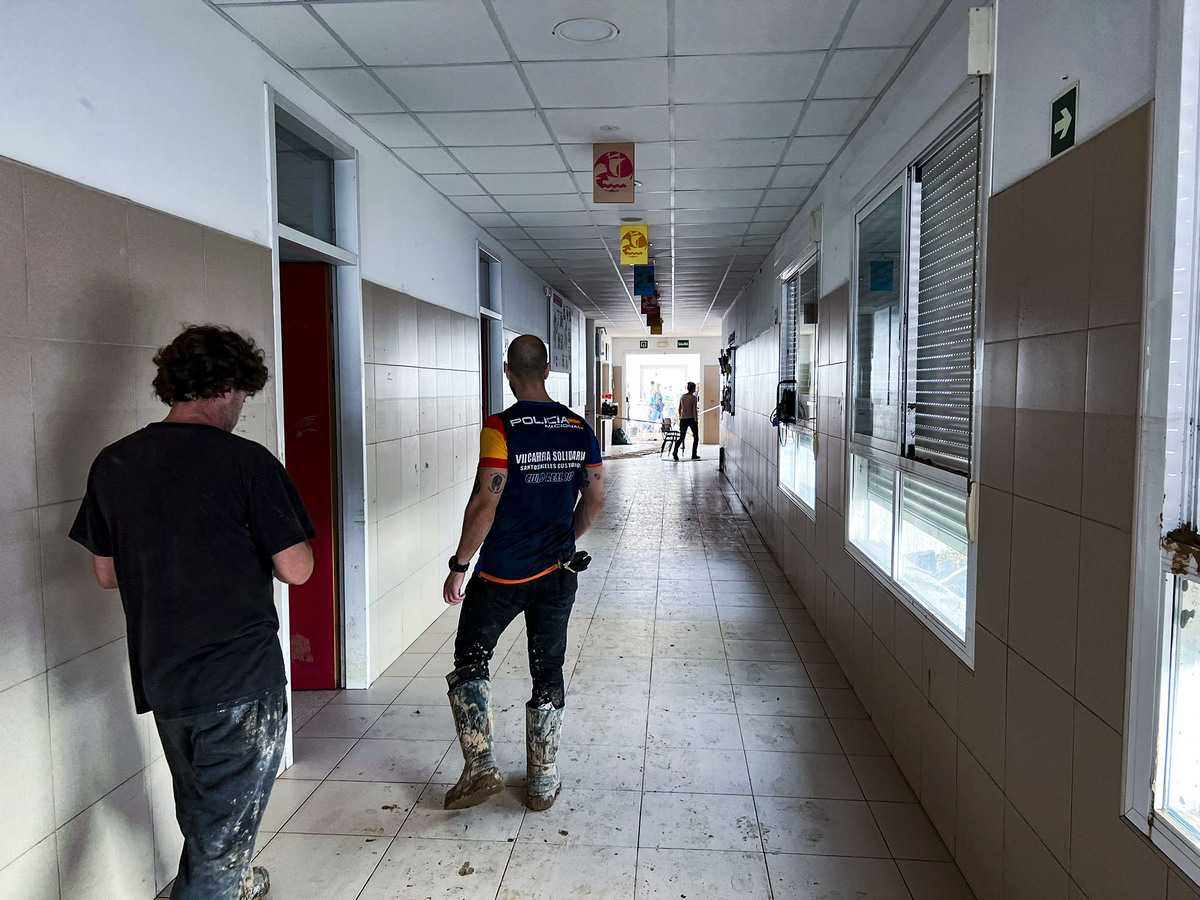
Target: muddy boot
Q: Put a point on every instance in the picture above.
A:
(471, 705)
(257, 885)
(543, 725)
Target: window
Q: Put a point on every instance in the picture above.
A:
(489, 283)
(304, 177)
(913, 360)
(1162, 787)
(796, 407)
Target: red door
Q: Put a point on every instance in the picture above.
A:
(308, 395)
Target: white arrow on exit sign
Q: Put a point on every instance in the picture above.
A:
(1063, 125)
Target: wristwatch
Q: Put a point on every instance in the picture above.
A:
(456, 566)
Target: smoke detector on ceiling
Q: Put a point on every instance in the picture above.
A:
(586, 31)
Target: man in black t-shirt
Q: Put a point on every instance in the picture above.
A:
(190, 523)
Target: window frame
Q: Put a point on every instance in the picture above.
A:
(811, 256)
(1168, 447)
(890, 453)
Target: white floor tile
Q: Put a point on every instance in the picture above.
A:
(320, 867)
(586, 818)
(702, 873)
(699, 822)
(545, 872)
(463, 870)
(375, 809)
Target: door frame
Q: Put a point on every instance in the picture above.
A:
(349, 368)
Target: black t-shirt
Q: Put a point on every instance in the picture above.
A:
(192, 516)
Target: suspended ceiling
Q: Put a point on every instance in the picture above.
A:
(737, 108)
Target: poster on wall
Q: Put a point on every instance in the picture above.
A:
(562, 323)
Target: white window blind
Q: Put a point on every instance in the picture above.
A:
(946, 187)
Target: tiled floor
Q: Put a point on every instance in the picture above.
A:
(712, 748)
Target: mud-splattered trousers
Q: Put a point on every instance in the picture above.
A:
(490, 607)
(223, 766)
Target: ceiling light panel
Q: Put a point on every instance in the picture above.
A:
(416, 32)
(640, 124)
(454, 88)
(529, 25)
(467, 129)
(636, 82)
(352, 90)
(293, 35)
(739, 79)
(396, 129)
(756, 26)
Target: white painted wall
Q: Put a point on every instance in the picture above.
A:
(163, 103)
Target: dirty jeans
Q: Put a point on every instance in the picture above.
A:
(488, 609)
(684, 425)
(223, 765)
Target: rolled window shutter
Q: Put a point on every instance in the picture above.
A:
(945, 346)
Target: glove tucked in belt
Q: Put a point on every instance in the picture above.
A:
(574, 562)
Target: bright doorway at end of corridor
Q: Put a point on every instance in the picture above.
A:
(654, 382)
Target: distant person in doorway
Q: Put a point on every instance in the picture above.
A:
(689, 417)
(657, 403)
(538, 488)
(189, 522)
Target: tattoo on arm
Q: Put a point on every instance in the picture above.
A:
(587, 479)
(478, 486)
(497, 484)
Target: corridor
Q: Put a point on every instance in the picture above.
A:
(712, 747)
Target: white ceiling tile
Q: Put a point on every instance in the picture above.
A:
(649, 180)
(639, 124)
(653, 155)
(572, 232)
(351, 89)
(755, 26)
(723, 179)
(508, 232)
(761, 240)
(529, 25)
(833, 116)
(430, 160)
(467, 129)
(775, 228)
(487, 220)
(709, 121)
(798, 176)
(710, 229)
(696, 216)
(774, 214)
(715, 154)
(737, 79)
(396, 129)
(713, 199)
(888, 23)
(858, 73)
(592, 243)
(541, 183)
(540, 202)
(505, 160)
(292, 34)
(594, 253)
(455, 185)
(634, 82)
(416, 32)
(647, 200)
(450, 88)
(549, 220)
(808, 151)
(477, 204)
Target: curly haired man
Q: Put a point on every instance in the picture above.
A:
(189, 522)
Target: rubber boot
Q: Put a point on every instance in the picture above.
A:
(257, 885)
(480, 779)
(543, 725)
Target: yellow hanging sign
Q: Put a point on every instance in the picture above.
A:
(635, 245)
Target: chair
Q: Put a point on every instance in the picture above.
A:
(671, 437)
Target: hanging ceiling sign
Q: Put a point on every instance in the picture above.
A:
(650, 306)
(635, 245)
(656, 329)
(643, 281)
(1062, 121)
(612, 173)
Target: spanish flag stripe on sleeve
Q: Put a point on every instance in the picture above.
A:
(493, 445)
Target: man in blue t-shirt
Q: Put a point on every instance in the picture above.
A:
(538, 488)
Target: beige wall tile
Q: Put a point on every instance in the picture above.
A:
(22, 639)
(1109, 859)
(982, 703)
(997, 436)
(1048, 457)
(166, 276)
(1178, 888)
(80, 615)
(941, 678)
(1114, 359)
(910, 636)
(168, 840)
(939, 775)
(97, 736)
(907, 722)
(994, 556)
(1038, 747)
(1103, 630)
(1052, 372)
(33, 876)
(27, 789)
(105, 852)
(1109, 472)
(1006, 263)
(1029, 868)
(14, 296)
(1044, 588)
(979, 824)
(76, 258)
(238, 286)
(84, 398)
(18, 470)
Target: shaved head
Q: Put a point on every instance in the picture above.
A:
(527, 358)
